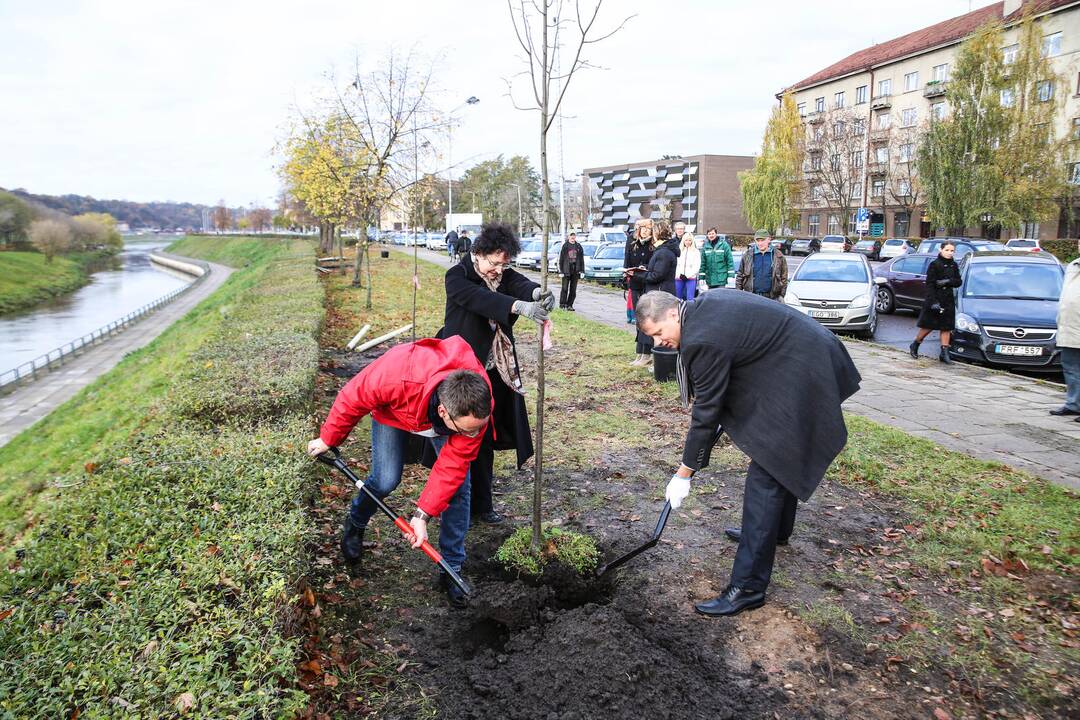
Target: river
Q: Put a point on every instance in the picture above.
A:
(110, 295)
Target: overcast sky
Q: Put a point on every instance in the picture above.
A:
(184, 101)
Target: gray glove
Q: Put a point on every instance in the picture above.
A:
(533, 310)
(546, 298)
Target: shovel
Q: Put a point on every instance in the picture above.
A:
(641, 548)
(333, 459)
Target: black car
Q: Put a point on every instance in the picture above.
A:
(870, 247)
(901, 282)
(784, 243)
(1006, 310)
(964, 246)
(804, 246)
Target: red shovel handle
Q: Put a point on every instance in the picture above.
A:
(407, 530)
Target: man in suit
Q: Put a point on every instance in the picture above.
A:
(735, 350)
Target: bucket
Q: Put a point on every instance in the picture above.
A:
(664, 360)
(384, 253)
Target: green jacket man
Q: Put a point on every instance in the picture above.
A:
(717, 264)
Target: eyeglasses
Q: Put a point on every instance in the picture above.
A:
(494, 265)
(457, 428)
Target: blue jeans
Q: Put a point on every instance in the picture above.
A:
(1070, 366)
(387, 461)
(684, 289)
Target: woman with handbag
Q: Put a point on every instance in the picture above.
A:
(939, 306)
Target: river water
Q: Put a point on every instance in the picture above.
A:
(110, 295)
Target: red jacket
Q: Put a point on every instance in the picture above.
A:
(396, 391)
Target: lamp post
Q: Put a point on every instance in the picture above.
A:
(450, 156)
(521, 227)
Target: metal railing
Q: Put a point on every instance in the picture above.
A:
(11, 379)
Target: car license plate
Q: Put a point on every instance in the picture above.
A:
(1032, 350)
(827, 314)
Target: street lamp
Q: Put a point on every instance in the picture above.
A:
(450, 155)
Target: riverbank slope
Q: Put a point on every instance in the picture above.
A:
(27, 279)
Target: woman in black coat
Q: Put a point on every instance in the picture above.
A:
(939, 306)
(660, 274)
(639, 249)
(484, 298)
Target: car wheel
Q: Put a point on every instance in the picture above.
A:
(868, 333)
(886, 302)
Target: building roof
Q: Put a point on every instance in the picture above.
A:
(943, 33)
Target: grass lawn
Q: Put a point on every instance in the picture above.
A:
(27, 279)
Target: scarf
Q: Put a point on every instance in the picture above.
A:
(502, 354)
(686, 391)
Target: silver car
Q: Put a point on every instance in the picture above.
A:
(837, 290)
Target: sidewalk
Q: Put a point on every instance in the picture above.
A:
(35, 400)
(985, 413)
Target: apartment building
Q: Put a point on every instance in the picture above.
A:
(864, 116)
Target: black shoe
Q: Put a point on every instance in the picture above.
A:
(736, 535)
(352, 542)
(491, 517)
(944, 356)
(913, 349)
(1062, 411)
(732, 602)
(458, 599)
(570, 308)
(562, 307)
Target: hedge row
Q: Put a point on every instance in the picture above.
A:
(158, 587)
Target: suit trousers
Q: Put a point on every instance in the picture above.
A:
(568, 292)
(768, 516)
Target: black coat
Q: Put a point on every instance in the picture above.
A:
(773, 379)
(943, 296)
(470, 309)
(636, 255)
(661, 268)
(568, 266)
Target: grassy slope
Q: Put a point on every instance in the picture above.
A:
(26, 279)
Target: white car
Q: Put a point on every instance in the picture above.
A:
(895, 247)
(436, 241)
(1023, 245)
(589, 248)
(529, 258)
(834, 243)
(836, 290)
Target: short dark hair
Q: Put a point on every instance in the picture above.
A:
(464, 392)
(712, 229)
(573, 234)
(495, 237)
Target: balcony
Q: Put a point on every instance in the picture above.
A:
(815, 117)
(877, 168)
(880, 134)
(934, 88)
(883, 102)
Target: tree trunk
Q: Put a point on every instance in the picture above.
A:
(367, 258)
(538, 477)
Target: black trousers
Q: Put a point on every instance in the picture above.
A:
(644, 342)
(768, 516)
(568, 294)
(482, 471)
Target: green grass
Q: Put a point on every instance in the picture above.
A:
(27, 279)
(571, 549)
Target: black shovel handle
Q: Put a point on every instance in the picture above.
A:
(660, 524)
(333, 459)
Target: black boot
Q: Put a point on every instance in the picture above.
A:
(731, 602)
(736, 535)
(944, 356)
(913, 348)
(352, 542)
(458, 599)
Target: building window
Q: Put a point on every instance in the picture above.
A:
(1008, 54)
(1074, 174)
(940, 73)
(911, 81)
(884, 88)
(877, 188)
(856, 190)
(903, 188)
(881, 154)
(1076, 129)
(1029, 229)
(908, 117)
(834, 225)
(813, 224)
(860, 94)
(797, 223)
(834, 162)
(815, 162)
(856, 159)
(801, 107)
(1044, 89)
(858, 127)
(907, 152)
(815, 193)
(884, 120)
(819, 105)
(818, 132)
(1051, 45)
(838, 129)
(937, 111)
(1007, 97)
(838, 100)
(901, 223)
(1043, 133)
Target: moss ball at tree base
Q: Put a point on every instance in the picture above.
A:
(572, 550)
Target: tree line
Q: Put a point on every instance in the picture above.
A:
(51, 232)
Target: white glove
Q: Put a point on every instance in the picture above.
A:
(677, 490)
(546, 298)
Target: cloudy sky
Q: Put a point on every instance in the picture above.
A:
(184, 100)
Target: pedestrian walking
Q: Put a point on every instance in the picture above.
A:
(732, 348)
(717, 263)
(484, 298)
(687, 267)
(464, 243)
(452, 244)
(433, 388)
(763, 270)
(571, 265)
(1068, 339)
(639, 249)
(939, 306)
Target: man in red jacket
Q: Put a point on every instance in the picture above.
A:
(433, 388)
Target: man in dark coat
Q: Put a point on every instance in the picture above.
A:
(774, 380)
(763, 269)
(464, 242)
(571, 265)
(451, 243)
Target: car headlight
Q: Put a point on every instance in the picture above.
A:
(863, 300)
(966, 323)
(791, 299)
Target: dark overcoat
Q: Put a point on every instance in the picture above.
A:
(947, 271)
(772, 378)
(660, 274)
(471, 308)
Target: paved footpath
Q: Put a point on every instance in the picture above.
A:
(985, 413)
(33, 401)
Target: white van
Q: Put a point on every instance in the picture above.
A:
(607, 235)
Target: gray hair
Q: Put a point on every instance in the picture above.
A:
(653, 306)
(464, 392)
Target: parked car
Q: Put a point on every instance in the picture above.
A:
(837, 291)
(964, 246)
(870, 247)
(1024, 244)
(604, 235)
(606, 265)
(736, 258)
(901, 282)
(784, 243)
(588, 248)
(1006, 310)
(436, 241)
(895, 247)
(835, 243)
(530, 259)
(805, 246)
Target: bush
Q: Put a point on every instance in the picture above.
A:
(557, 545)
(1065, 250)
(50, 237)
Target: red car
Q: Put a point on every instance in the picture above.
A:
(901, 282)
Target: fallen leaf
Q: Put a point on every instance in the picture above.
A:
(882, 619)
(213, 550)
(184, 702)
(330, 680)
(309, 597)
(90, 468)
(941, 714)
(5, 614)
